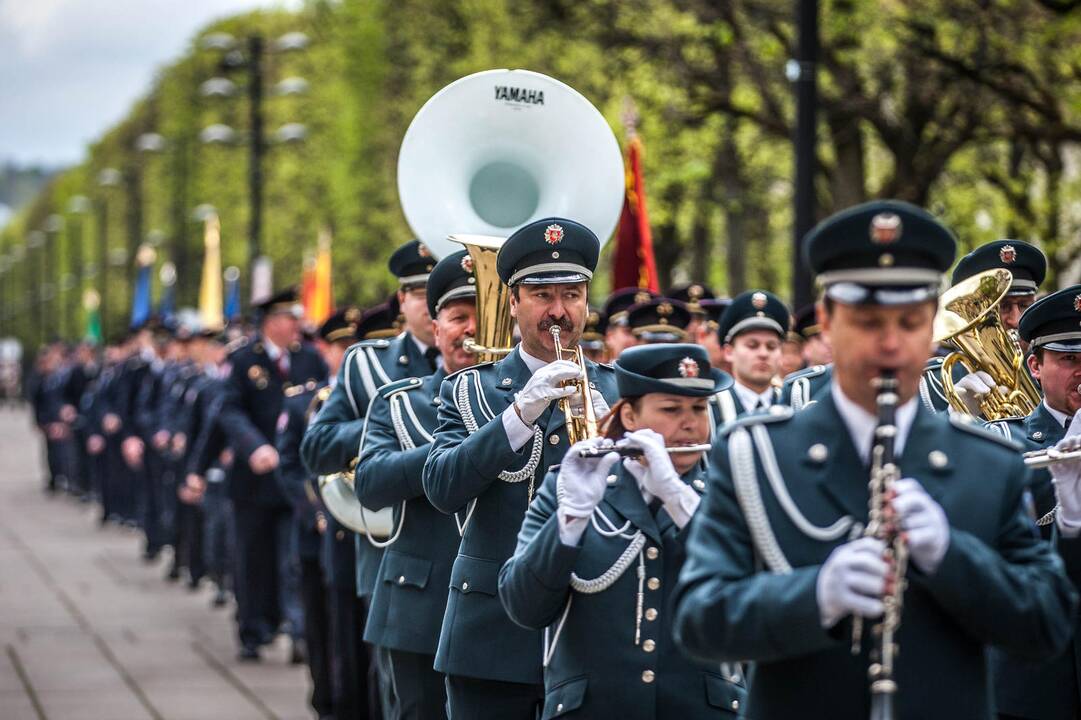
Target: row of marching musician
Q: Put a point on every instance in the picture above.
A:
(540, 562)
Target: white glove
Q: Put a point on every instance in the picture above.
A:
(924, 523)
(973, 388)
(1066, 477)
(543, 388)
(657, 476)
(580, 487)
(852, 581)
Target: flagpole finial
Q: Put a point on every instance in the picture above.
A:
(630, 117)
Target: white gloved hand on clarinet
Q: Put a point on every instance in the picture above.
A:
(852, 581)
(580, 487)
(1066, 477)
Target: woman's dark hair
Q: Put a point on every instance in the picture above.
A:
(612, 424)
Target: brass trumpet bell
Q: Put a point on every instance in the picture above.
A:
(968, 319)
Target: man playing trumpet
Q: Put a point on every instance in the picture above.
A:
(499, 433)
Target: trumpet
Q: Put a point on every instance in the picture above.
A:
(631, 451)
(583, 425)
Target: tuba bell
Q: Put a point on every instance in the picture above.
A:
(968, 319)
(492, 152)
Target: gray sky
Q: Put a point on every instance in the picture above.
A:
(69, 69)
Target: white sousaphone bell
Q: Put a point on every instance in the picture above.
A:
(484, 156)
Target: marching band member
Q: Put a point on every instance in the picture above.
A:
(499, 432)
(329, 698)
(410, 594)
(705, 333)
(773, 574)
(260, 373)
(331, 440)
(816, 346)
(1052, 328)
(591, 538)
(751, 330)
(692, 295)
(1028, 266)
(617, 336)
(593, 336)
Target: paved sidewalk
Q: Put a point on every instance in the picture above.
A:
(88, 631)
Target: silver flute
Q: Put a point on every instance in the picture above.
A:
(631, 451)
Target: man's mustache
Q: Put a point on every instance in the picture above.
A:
(564, 324)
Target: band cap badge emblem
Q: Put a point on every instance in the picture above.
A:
(886, 228)
(688, 368)
(553, 234)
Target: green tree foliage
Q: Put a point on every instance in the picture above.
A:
(967, 107)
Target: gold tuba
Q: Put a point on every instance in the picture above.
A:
(968, 319)
(492, 152)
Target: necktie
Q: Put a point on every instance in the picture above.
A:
(431, 354)
(1066, 423)
(283, 365)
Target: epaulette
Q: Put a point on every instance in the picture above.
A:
(964, 422)
(239, 343)
(933, 363)
(402, 385)
(809, 372)
(471, 367)
(377, 343)
(606, 366)
(776, 413)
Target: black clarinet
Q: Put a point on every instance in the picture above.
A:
(884, 472)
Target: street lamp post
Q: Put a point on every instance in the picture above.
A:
(251, 60)
(107, 179)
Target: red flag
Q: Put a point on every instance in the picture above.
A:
(316, 293)
(633, 262)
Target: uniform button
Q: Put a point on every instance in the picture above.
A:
(559, 708)
(340, 535)
(612, 479)
(735, 704)
(553, 439)
(653, 583)
(465, 586)
(652, 553)
(401, 579)
(647, 676)
(403, 360)
(506, 382)
(651, 614)
(699, 484)
(649, 646)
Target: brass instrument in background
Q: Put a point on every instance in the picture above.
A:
(581, 425)
(968, 318)
(495, 326)
(478, 162)
(884, 473)
(339, 497)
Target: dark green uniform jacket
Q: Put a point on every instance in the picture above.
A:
(1047, 690)
(472, 470)
(410, 595)
(333, 438)
(802, 387)
(747, 590)
(726, 406)
(596, 669)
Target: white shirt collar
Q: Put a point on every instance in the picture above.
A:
(272, 350)
(749, 398)
(534, 364)
(1060, 417)
(861, 424)
(423, 346)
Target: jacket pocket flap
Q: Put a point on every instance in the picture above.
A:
(471, 574)
(721, 693)
(401, 569)
(565, 697)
